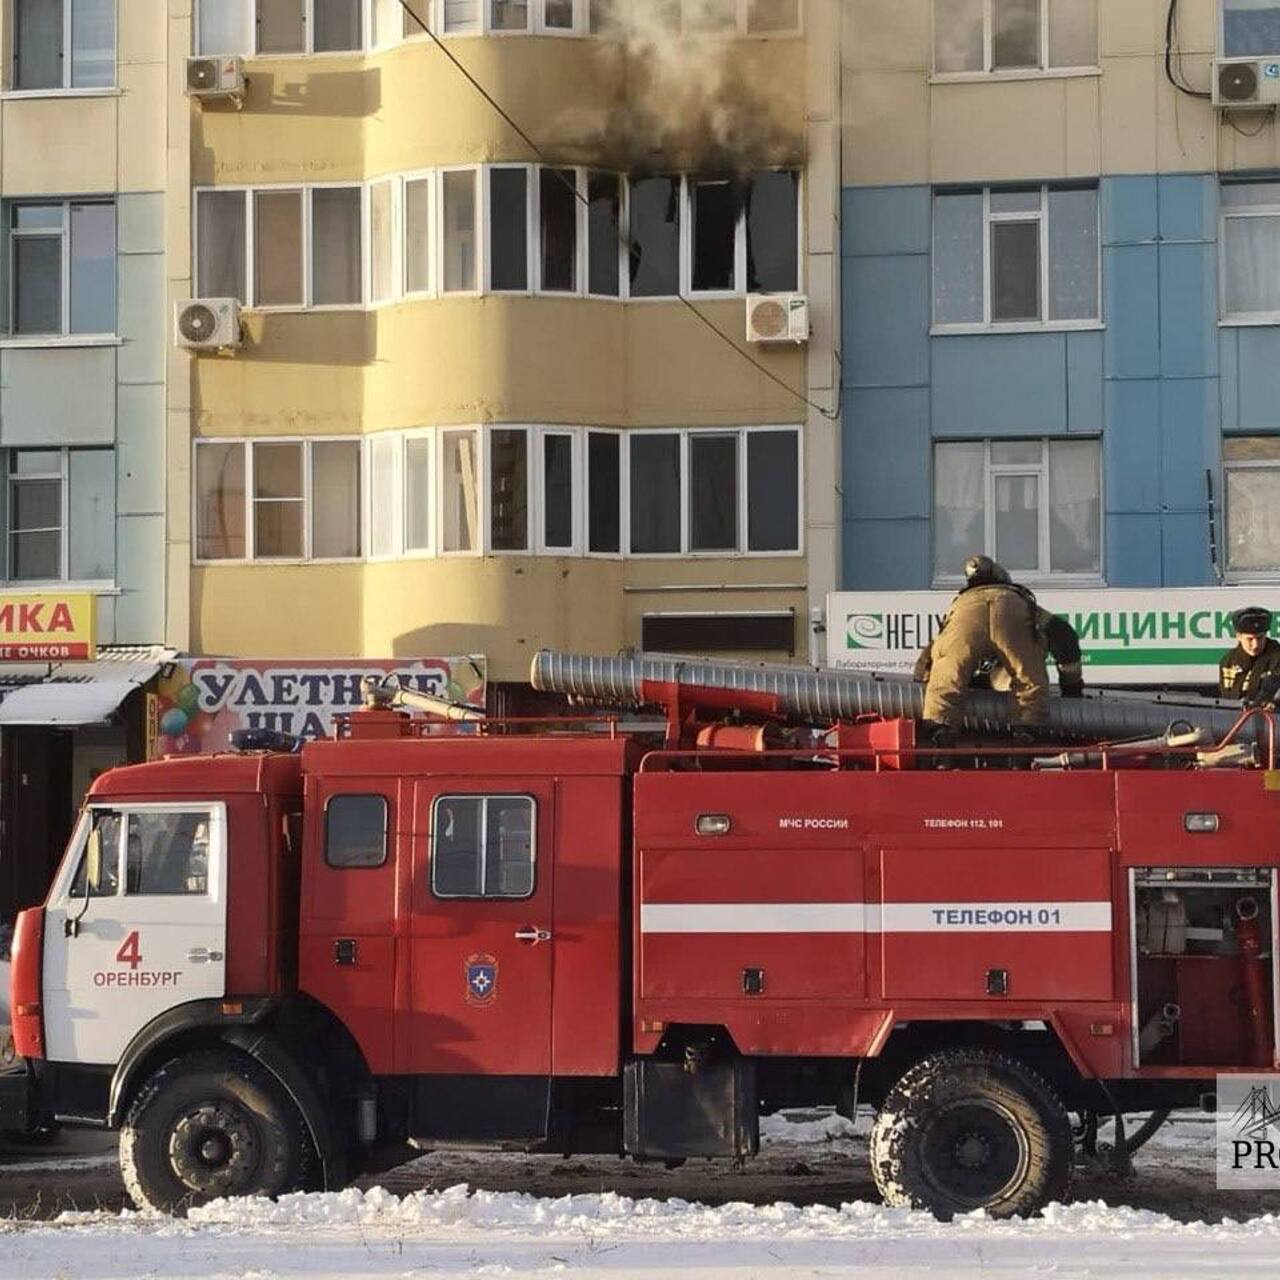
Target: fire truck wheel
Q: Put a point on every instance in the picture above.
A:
(971, 1129)
(211, 1124)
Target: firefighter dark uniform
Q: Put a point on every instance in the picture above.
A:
(1244, 675)
(991, 619)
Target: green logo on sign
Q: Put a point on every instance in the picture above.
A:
(864, 631)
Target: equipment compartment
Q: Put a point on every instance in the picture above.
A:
(1203, 964)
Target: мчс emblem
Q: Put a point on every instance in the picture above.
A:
(482, 979)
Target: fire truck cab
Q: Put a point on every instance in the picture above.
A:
(274, 971)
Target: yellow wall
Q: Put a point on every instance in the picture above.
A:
(469, 359)
(902, 126)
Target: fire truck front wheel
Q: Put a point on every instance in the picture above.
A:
(971, 1129)
(211, 1124)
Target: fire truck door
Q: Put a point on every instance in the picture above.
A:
(136, 924)
(482, 945)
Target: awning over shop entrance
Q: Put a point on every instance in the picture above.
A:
(82, 693)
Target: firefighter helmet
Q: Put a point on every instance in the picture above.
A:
(983, 571)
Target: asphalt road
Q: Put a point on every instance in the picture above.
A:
(1174, 1176)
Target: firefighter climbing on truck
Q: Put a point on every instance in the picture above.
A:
(996, 631)
(279, 968)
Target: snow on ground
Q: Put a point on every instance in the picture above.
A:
(457, 1232)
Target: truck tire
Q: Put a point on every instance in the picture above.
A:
(211, 1124)
(971, 1129)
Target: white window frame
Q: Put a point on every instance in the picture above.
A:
(623, 250)
(479, 233)
(989, 221)
(577, 438)
(396, 498)
(249, 37)
(63, 476)
(478, 551)
(12, 234)
(532, 267)
(66, 89)
(1228, 466)
(398, 266)
(247, 443)
(435, 493)
(428, 178)
(990, 72)
(686, 551)
(1043, 573)
(1220, 29)
(305, 190)
(1227, 213)
(531, 514)
(581, 260)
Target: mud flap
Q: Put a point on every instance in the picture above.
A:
(673, 1112)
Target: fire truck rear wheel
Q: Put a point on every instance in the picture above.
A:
(971, 1129)
(212, 1124)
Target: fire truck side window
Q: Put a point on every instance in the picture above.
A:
(167, 854)
(104, 882)
(355, 831)
(482, 847)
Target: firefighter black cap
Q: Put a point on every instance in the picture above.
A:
(1253, 621)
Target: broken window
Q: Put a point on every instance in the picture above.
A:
(715, 203)
(655, 237)
(604, 229)
(559, 223)
(773, 233)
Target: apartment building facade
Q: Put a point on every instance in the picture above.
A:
(493, 388)
(83, 108)
(1061, 299)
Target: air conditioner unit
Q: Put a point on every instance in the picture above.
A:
(217, 77)
(1246, 82)
(777, 317)
(207, 324)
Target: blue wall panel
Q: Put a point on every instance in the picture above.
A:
(1130, 210)
(887, 453)
(1131, 276)
(1188, 206)
(1185, 558)
(887, 321)
(885, 220)
(1133, 550)
(884, 555)
(1188, 442)
(1006, 384)
(1188, 311)
(1131, 447)
(1086, 409)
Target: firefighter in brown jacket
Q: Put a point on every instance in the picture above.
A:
(993, 620)
(1249, 671)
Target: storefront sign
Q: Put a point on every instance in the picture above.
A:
(205, 700)
(47, 628)
(1128, 637)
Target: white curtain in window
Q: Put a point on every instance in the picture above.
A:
(384, 480)
(1253, 518)
(958, 524)
(381, 234)
(1251, 265)
(223, 26)
(957, 258)
(1075, 507)
(335, 499)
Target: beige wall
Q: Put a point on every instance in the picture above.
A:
(483, 359)
(904, 127)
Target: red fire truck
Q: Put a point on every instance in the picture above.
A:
(274, 969)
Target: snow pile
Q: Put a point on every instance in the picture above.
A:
(807, 1129)
(609, 1216)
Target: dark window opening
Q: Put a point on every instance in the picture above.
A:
(773, 491)
(604, 228)
(557, 189)
(655, 237)
(509, 490)
(508, 229)
(655, 494)
(713, 493)
(604, 462)
(773, 233)
(557, 484)
(715, 220)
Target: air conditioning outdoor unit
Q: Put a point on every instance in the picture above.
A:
(217, 77)
(1247, 82)
(777, 317)
(207, 324)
